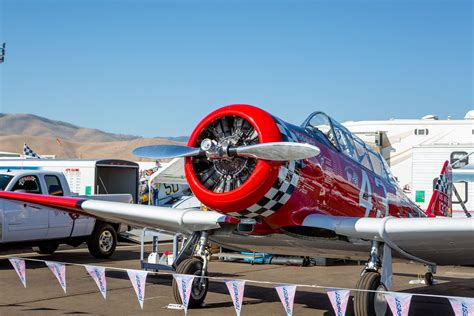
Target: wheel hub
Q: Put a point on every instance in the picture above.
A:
(380, 303)
(105, 241)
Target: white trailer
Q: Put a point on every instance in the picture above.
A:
(86, 176)
(396, 138)
(427, 163)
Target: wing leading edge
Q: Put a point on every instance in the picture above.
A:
(164, 218)
(443, 240)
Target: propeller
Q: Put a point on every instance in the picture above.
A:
(166, 151)
(276, 151)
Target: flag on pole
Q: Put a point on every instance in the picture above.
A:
(287, 297)
(19, 266)
(184, 282)
(399, 303)
(462, 306)
(29, 153)
(59, 271)
(339, 299)
(98, 275)
(236, 290)
(138, 279)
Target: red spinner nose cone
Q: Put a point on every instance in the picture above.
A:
(232, 185)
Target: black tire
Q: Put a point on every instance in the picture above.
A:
(429, 280)
(198, 292)
(46, 249)
(366, 303)
(103, 241)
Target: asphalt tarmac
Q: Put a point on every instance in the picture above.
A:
(44, 296)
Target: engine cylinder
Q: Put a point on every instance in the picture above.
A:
(232, 184)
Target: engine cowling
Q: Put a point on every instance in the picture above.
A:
(242, 185)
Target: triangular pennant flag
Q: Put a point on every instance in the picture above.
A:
(138, 279)
(19, 266)
(287, 297)
(399, 303)
(236, 290)
(59, 271)
(462, 306)
(98, 275)
(339, 300)
(184, 282)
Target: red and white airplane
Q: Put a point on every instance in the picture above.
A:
(309, 190)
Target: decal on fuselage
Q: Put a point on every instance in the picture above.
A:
(366, 196)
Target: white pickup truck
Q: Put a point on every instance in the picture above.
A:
(27, 224)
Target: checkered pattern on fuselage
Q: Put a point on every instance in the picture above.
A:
(442, 184)
(281, 190)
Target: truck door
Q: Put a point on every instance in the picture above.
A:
(25, 221)
(60, 223)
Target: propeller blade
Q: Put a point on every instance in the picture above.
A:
(165, 151)
(278, 151)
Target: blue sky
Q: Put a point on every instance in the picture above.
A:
(155, 68)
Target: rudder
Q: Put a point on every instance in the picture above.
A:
(440, 203)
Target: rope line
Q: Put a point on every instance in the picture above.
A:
(314, 286)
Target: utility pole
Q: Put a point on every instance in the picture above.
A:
(2, 53)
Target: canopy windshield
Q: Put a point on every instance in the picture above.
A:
(318, 123)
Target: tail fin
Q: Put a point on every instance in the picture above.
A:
(440, 203)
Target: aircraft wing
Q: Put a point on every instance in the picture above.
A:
(164, 218)
(442, 240)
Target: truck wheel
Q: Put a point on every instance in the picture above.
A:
(103, 241)
(46, 249)
(198, 288)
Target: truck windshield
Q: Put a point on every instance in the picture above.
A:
(4, 180)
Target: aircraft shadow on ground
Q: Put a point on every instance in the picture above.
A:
(253, 294)
(437, 305)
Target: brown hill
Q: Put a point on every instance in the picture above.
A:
(41, 135)
(33, 125)
(71, 149)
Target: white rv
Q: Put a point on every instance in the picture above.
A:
(396, 139)
(427, 163)
(86, 176)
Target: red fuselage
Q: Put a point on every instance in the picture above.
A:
(347, 178)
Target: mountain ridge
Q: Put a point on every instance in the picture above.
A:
(66, 140)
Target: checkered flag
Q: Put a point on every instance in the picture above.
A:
(29, 153)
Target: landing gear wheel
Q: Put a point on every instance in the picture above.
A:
(199, 288)
(429, 280)
(370, 303)
(46, 249)
(103, 241)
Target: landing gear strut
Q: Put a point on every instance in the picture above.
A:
(371, 303)
(429, 279)
(195, 263)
